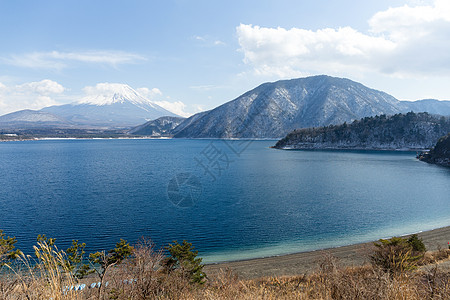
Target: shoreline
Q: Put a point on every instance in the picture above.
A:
(85, 138)
(355, 149)
(134, 138)
(307, 262)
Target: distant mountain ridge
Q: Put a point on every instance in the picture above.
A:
(32, 118)
(400, 131)
(119, 106)
(165, 126)
(161, 127)
(431, 106)
(272, 110)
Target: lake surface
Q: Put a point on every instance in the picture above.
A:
(231, 199)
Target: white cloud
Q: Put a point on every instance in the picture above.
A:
(43, 87)
(204, 88)
(105, 88)
(402, 41)
(30, 95)
(176, 107)
(149, 93)
(157, 97)
(199, 38)
(406, 22)
(60, 60)
(208, 41)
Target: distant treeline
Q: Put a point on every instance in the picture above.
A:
(439, 154)
(400, 131)
(61, 133)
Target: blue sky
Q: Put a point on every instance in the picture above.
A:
(195, 55)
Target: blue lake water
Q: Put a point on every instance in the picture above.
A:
(231, 199)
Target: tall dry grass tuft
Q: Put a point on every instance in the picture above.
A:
(44, 278)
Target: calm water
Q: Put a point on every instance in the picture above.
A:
(248, 200)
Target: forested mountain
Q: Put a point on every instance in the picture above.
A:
(274, 109)
(160, 127)
(400, 131)
(439, 154)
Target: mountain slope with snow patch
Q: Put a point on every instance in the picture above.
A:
(117, 106)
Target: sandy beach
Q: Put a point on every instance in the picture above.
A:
(306, 262)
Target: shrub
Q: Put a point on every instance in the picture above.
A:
(183, 258)
(416, 244)
(398, 255)
(108, 260)
(7, 251)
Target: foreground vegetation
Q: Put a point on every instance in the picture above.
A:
(143, 272)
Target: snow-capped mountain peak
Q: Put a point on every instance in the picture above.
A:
(110, 105)
(110, 93)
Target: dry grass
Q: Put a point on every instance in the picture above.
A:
(435, 256)
(46, 279)
(26, 279)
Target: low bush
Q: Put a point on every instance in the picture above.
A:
(398, 255)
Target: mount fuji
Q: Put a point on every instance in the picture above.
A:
(117, 106)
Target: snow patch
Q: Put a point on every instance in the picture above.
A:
(110, 93)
